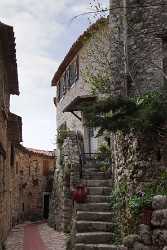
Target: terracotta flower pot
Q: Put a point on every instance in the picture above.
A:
(146, 215)
(79, 194)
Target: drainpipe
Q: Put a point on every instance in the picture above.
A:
(125, 39)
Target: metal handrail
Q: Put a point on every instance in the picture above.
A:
(80, 154)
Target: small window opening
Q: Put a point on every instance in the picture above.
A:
(159, 157)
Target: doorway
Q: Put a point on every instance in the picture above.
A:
(46, 205)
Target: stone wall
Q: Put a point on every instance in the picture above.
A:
(67, 175)
(29, 183)
(138, 29)
(5, 170)
(94, 44)
(137, 159)
(154, 235)
(138, 56)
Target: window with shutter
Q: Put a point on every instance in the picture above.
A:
(72, 73)
(61, 89)
(58, 91)
(77, 68)
(45, 168)
(70, 76)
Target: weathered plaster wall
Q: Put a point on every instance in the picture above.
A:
(28, 184)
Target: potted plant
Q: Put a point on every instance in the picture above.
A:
(79, 193)
(140, 205)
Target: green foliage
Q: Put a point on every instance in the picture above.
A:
(117, 198)
(118, 206)
(62, 134)
(127, 208)
(143, 114)
(104, 157)
(137, 202)
(144, 198)
(99, 83)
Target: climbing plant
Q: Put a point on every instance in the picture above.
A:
(62, 134)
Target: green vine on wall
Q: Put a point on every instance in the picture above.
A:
(62, 134)
(128, 207)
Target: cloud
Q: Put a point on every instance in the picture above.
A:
(44, 34)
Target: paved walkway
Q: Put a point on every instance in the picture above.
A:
(37, 236)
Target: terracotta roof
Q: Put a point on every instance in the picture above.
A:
(41, 152)
(9, 56)
(76, 47)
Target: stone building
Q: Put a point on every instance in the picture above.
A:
(138, 45)
(25, 174)
(10, 124)
(72, 87)
(138, 65)
(31, 184)
(73, 92)
(138, 39)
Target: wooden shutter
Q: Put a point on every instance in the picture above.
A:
(58, 91)
(45, 168)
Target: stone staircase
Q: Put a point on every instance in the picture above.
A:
(93, 222)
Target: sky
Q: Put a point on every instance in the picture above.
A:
(44, 33)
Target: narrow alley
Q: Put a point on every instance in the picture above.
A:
(35, 236)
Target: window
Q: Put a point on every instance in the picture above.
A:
(73, 72)
(29, 170)
(45, 168)
(66, 79)
(58, 92)
(164, 50)
(12, 155)
(17, 167)
(70, 76)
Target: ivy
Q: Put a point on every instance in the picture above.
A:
(62, 134)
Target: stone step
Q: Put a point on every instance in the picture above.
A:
(99, 190)
(94, 175)
(98, 247)
(94, 237)
(99, 207)
(93, 226)
(98, 198)
(99, 183)
(93, 169)
(94, 216)
(90, 164)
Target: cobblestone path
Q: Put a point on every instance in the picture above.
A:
(35, 237)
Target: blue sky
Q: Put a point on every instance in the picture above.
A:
(44, 33)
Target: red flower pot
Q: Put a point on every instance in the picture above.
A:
(79, 194)
(146, 216)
